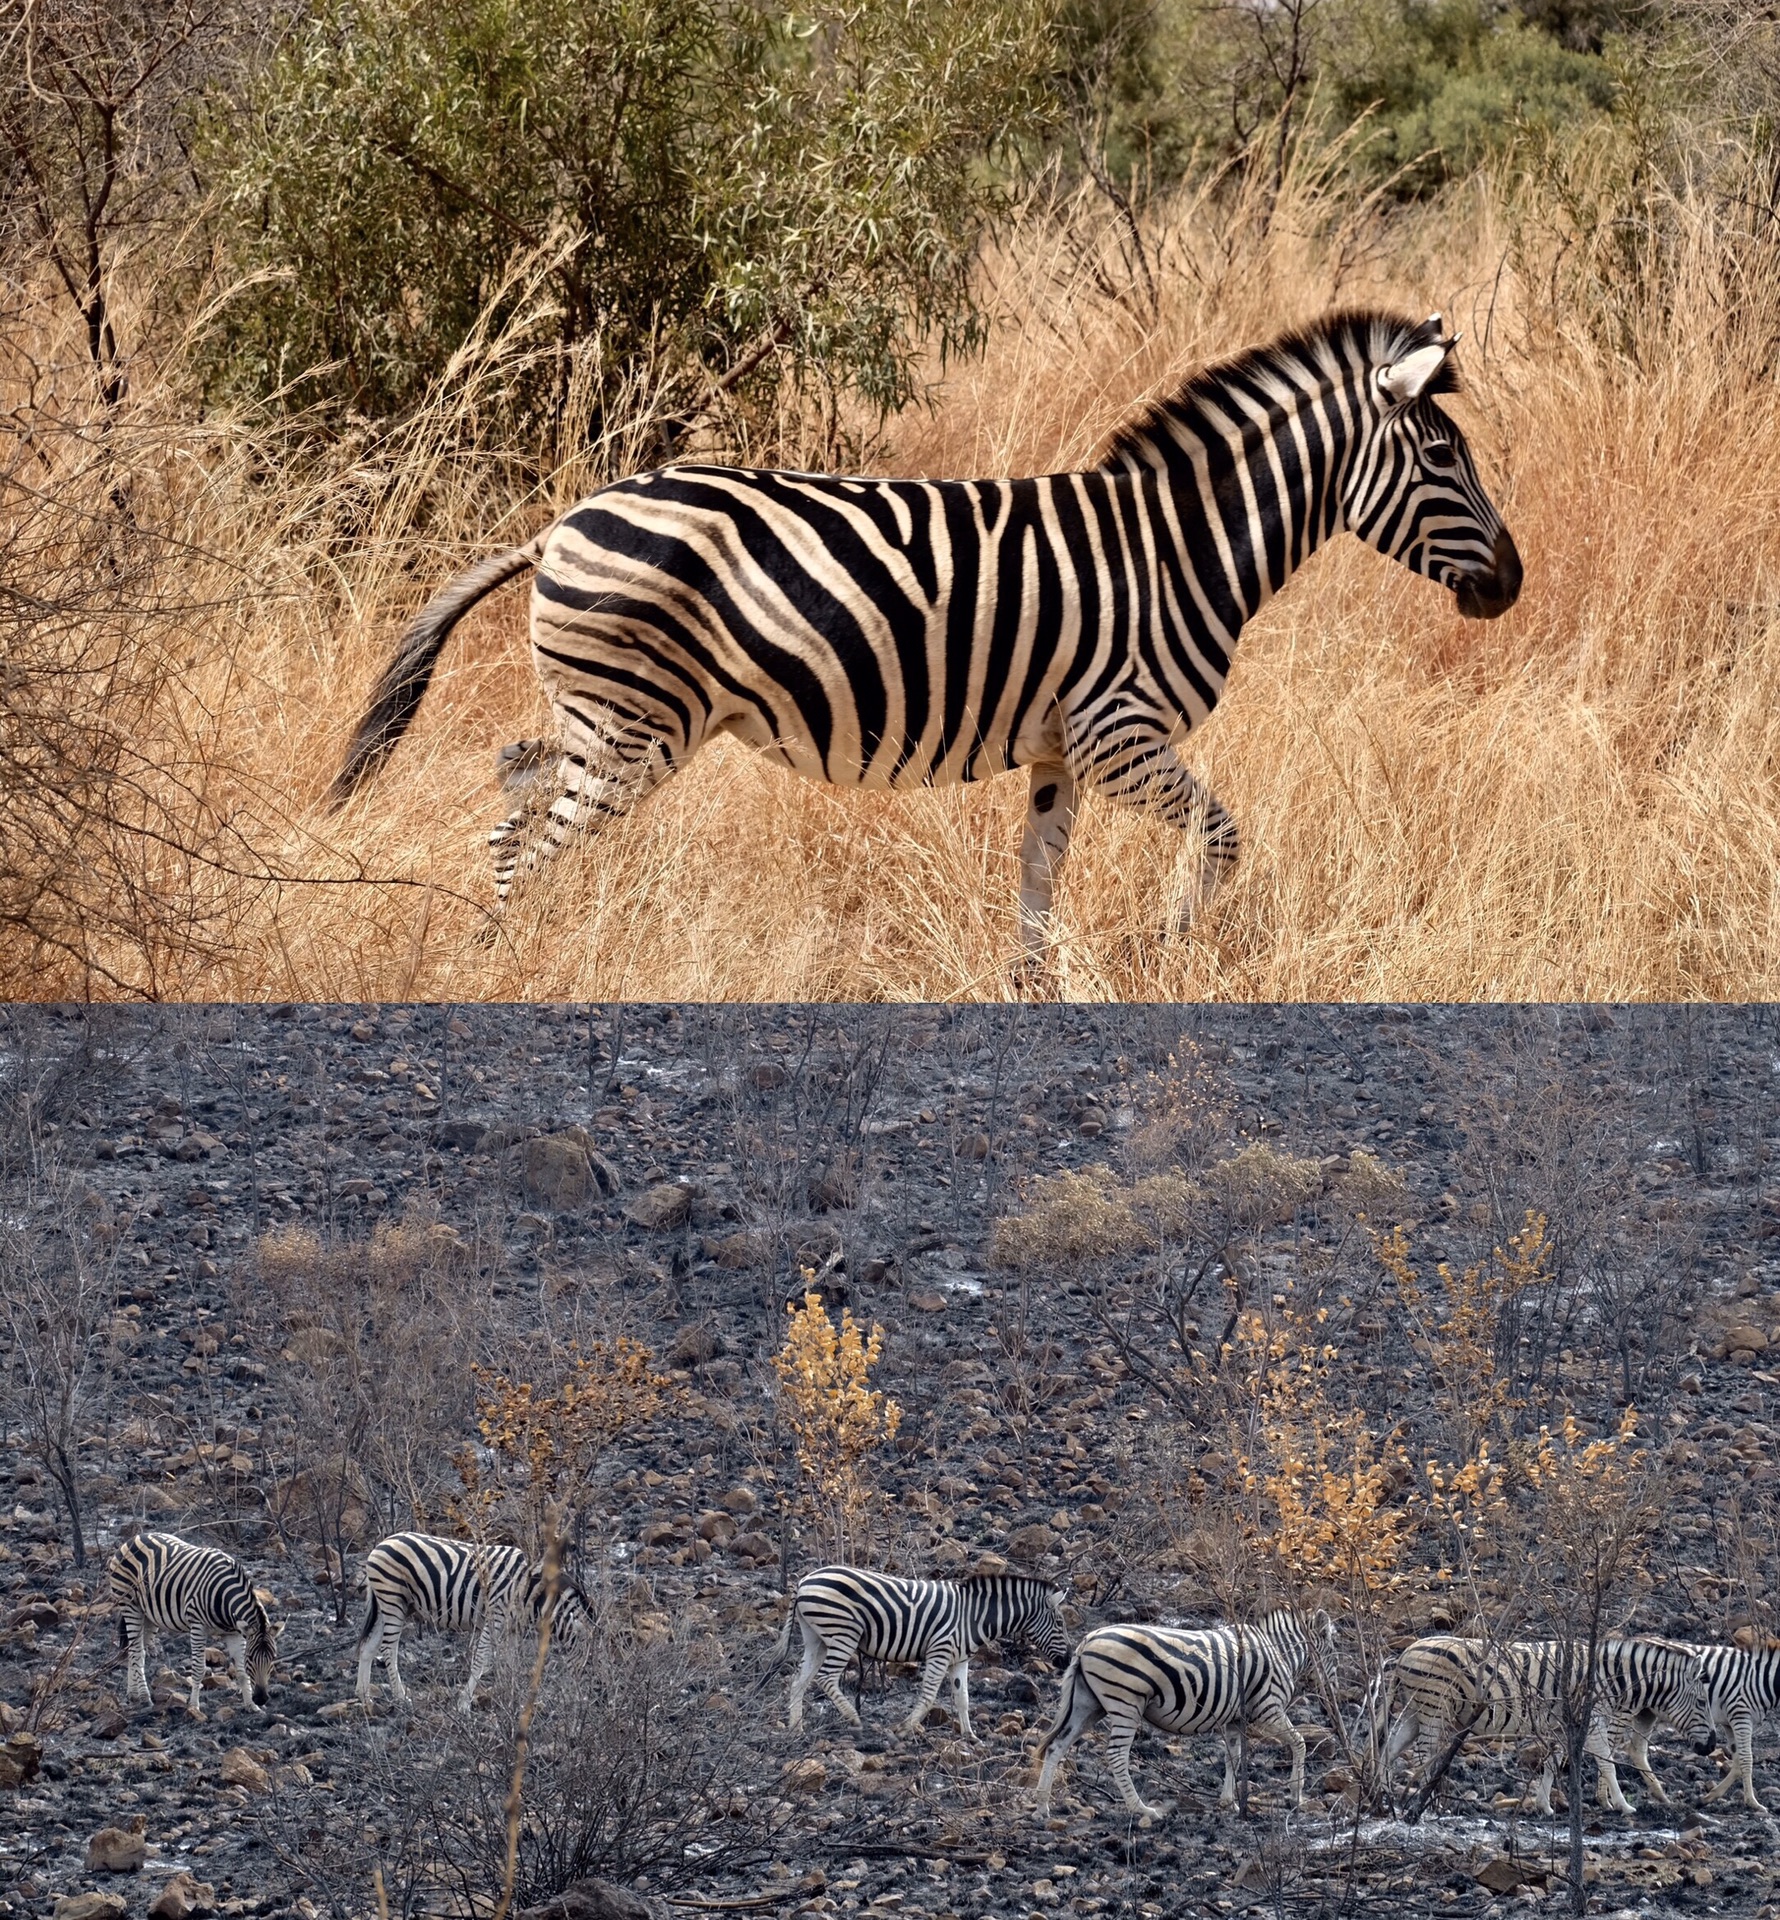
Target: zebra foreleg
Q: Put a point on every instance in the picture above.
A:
(481, 1659)
(1050, 815)
(1742, 1763)
(236, 1648)
(191, 1705)
(933, 1677)
(1637, 1749)
(1134, 761)
(136, 1687)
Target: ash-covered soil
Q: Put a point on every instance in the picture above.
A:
(721, 1155)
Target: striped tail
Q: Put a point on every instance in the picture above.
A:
(403, 683)
(1065, 1704)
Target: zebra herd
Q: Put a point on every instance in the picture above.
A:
(910, 633)
(1237, 1681)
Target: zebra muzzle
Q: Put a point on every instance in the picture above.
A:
(1487, 596)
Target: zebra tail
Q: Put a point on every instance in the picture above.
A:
(785, 1632)
(370, 1626)
(403, 683)
(1072, 1676)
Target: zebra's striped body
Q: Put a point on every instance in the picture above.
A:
(458, 1586)
(1515, 1690)
(1224, 1680)
(902, 633)
(937, 1624)
(159, 1580)
(1742, 1685)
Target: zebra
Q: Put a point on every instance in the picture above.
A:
(1514, 1691)
(453, 1584)
(1740, 1684)
(159, 1580)
(938, 1624)
(1222, 1680)
(906, 633)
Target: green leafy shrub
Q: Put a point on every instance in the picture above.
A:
(724, 193)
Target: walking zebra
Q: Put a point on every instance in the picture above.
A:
(1515, 1690)
(159, 1580)
(1207, 1680)
(1740, 1683)
(454, 1585)
(938, 1624)
(905, 633)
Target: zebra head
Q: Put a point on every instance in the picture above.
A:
(571, 1614)
(1688, 1709)
(1412, 490)
(1045, 1628)
(256, 1633)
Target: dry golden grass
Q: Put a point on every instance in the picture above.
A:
(1577, 801)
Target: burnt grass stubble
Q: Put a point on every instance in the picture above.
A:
(876, 1147)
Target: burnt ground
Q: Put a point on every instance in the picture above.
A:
(873, 1148)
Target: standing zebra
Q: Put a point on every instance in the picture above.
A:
(1206, 1680)
(1741, 1683)
(1514, 1691)
(454, 1585)
(159, 1580)
(937, 1624)
(906, 633)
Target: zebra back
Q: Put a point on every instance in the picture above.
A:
(172, 1582)
(450, 1584)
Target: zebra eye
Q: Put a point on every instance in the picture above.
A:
(1439, 455)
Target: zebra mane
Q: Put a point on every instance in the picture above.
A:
(1323, 351)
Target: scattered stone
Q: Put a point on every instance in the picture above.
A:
(741, 1252)
(20, 1759)
(928, 1300)
(1499, 1874)
(596, 1899)
(741, 1501)
(756, 1547)
(461, 1136)
(241, 1769)
(119, 1849)
(660, 1208)
(974, 1146)
(88, 1906)
(695, 1344)
(1028, 1545)
(806, 1776)
(182, 1897)
(555, 1169)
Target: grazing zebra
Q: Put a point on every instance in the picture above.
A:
(1741, 1683)
(906, 633)
(1205, 1680)
(453, 1584)
(159, 1580)
(938, 1624)
(1514, 1691)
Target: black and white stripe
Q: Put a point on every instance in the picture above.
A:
(1515, 1690)
(935, 1624)
(1224, 1680)
(458, 1586)
(1742, 1686)
(904, 633)
(159, 1580)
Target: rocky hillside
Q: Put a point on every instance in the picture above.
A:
(298, 1227)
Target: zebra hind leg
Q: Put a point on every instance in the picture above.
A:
(1124, 1725)
(192, 1705)
(600, 778)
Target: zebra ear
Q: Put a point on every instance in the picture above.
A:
(1407, 379)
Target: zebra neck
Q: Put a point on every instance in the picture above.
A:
(1266, 474)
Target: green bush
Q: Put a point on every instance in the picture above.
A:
(724, 186)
